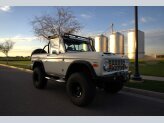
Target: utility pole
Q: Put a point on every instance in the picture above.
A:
(136, 75)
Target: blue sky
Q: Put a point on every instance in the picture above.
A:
(15, 24)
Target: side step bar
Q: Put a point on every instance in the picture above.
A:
(57, 80)
(60, 80)
(48, 78)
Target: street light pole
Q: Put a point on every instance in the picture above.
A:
(136, 75)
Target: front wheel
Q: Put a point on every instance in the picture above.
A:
(80, 89)
(39, 79)
(113, 87)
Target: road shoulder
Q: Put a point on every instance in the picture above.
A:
(144, 92)
(22, 69)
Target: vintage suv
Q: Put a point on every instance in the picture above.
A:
(71, 59)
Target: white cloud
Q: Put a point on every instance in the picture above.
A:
(23, 45)
(143, 20)
(86, 16)
(90, 33)
(18, 38)
(5, 8)
(146, 19)
(18, 48)
(124, 24)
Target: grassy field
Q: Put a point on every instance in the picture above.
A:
(151, 68)
(150, 85)
(21, 64)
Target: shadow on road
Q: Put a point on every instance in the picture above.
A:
(110, 104)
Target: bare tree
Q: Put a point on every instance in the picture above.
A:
(49, 25)
(5, 47)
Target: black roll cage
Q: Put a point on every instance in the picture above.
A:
(70, 36)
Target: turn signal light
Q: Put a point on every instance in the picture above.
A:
(95, 65)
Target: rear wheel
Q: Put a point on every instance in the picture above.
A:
(39, 79)
(80, 89)
(113, 87)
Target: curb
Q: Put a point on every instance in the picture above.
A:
(126, 89)
(153, 78)
(18, 68)
(144, 92)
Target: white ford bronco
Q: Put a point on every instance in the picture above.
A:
(71, 59)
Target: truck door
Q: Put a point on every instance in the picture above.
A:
(54, 62)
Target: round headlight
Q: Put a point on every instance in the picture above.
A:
(106, 65)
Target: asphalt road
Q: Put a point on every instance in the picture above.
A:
(19, 97)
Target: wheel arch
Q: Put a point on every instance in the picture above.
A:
(80, 66)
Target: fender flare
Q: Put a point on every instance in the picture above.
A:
(38, 63)
(81, 62)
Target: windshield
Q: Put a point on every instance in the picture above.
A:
(77, 46)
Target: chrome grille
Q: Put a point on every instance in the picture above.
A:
(117, 64)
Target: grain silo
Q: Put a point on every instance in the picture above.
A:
(131, 44)
(101, 43)
(116, 43)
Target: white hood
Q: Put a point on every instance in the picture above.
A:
(92, 55)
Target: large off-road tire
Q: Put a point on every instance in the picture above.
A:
(80, 89)
(113, 87)
(39, 79)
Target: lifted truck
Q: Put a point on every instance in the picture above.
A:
(71, 59)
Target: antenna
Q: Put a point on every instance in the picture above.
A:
(112, 27)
